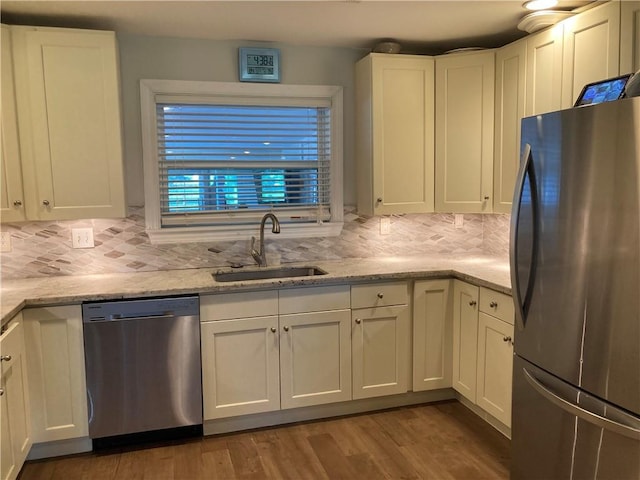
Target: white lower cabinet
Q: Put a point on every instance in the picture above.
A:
(381, 339)
(483, 348)
(240, 353)
(315, 360)
(432, 334)
(495, 367)
(271, 350)
(55, 362)
(15, 424)
(465, 338)
(240, 366)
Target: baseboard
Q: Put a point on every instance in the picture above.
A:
(487, 417)
(281, 417)
(59, 447)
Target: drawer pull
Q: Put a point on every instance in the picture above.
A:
(493, 304)
(285, 328)
(380, 295)
(358, 321)
(1, 391)
(473, 303)
(5, 358)
(508, 340)
(273, 329)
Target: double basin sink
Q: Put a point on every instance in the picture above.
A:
(267, 273)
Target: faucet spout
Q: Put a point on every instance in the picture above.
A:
(260, 256)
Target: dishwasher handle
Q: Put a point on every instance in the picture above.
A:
(117, 318)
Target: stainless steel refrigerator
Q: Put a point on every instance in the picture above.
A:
(575, 271)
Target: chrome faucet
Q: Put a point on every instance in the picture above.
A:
(260, 256)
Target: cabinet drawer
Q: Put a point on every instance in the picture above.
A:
(497, 304)
(226, 306)
(314, 299)
(379, 294)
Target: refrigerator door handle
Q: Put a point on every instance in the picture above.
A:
(518, 298)
(573, 409)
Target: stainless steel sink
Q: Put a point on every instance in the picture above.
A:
(267, 273)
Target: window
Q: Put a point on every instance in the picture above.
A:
(218, 156)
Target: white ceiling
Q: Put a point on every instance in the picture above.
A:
(420, 26)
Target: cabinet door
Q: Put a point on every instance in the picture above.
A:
(15, 419)
(465, 338)
(11, 195)
(495, 367)
(432, 334)
(315, 358)
(544, 71)
(464, 132)
(395, 134)
(629, 37)
(380, 351)
(511, 70)
(591, 49)
(68, 96)
(240, 367)
(57, 385)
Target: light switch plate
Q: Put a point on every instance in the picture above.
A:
(82, 238)
(5, 242)
(385, 226)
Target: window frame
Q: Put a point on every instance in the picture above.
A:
(150, 88)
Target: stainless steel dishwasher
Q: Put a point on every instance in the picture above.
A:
(143, 369)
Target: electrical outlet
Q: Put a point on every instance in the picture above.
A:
(385, 226)
(5, 242)
(82, 238)
(458, 220)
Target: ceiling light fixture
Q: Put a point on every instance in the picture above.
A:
(540, 4)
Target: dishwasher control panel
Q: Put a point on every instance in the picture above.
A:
(139, 308)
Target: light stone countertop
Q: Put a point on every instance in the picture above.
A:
(491, 272)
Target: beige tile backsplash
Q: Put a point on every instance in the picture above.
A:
(41, 249)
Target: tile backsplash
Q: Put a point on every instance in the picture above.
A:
(41, 249)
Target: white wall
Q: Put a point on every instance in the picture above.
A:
(206, 60)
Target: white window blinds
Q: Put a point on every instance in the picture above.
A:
(228, 161)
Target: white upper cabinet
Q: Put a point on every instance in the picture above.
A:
(544, 71)
(591, 49)
(394, 134)
(464, 132)
(68, 103)
(511, 70)
(629, 37)
(11, 194)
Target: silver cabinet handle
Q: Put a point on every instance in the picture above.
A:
(17, 203)
(285, 328)
(1, 391)
(493, 304)
(473, 303)
(380, 295)
(5, 358)
(45, 203)
(358, 321)
(273, 329)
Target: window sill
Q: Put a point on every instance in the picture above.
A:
(240, 232)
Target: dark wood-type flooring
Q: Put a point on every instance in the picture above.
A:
(437, 441)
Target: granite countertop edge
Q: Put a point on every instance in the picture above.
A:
(485, 271)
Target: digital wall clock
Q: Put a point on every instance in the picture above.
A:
(259, 64)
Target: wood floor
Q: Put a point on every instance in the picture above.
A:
(436, 441)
